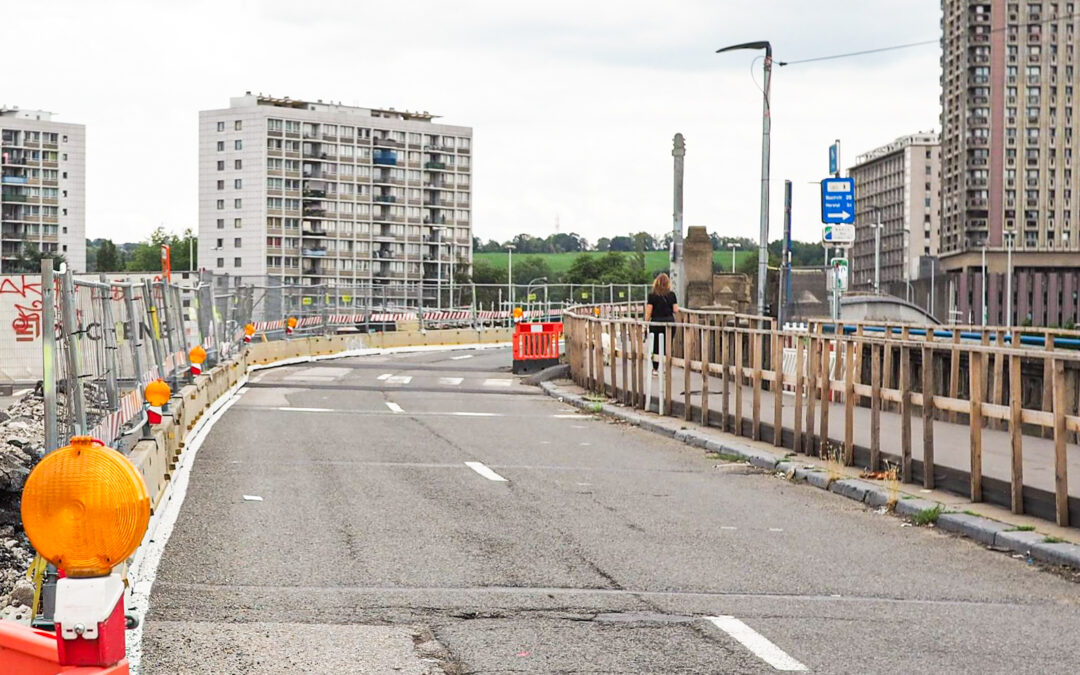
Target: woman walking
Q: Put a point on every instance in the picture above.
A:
(659, 310)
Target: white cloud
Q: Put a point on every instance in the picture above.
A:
(573, 103)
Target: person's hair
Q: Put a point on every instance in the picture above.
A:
(661, 285)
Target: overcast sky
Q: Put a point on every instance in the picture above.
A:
(573, 103)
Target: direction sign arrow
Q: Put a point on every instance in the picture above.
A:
(838, 200)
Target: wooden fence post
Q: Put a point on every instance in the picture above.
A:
(1061, 467)
(850, 360)
(1016, 433)
(813, 353)
(688, 355)
(928, 416)
(625, 365)
(706, 347)
(975, 371)
(669, 348)
(737, 384)
(905, 413)
(614, 349)
(875, 406)
(725, 348)
(757, 346)
(778, 388)
(826, 398)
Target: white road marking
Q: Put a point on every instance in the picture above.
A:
(453, 381)
(474, 414)
(385, 376)
(497, 382)
(584, 443)
(479, 468)
(252, 498)
(287, 409)
(399, 379)
(776, 529)
(394, 407)
(757, 643)
(463, 356)
(727, 527)
(243, 390)
(571, 416)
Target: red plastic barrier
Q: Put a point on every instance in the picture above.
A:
(537, 341)
(28, 651)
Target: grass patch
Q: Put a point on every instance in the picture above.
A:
(972, 513)
(1021, 528)
(907, 497)
(655, 261)
(724, 456)
(1053, 540)
(927, 516)
(834, 462)
(596, 407)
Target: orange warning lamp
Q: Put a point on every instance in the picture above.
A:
(596, 311)
(197, 354)
(518, 313)
(249, 329)
(157, 393)
(291, 322)
(85, 508)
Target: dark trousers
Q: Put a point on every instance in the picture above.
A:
(658, 338)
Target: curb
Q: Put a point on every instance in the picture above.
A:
(986, 531)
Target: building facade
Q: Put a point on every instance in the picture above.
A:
(1009, 113)
(356, 201)
(42, 188)
(897, 188)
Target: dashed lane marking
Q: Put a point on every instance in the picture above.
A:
(484, 471)
(394, 407)
(399, 379)
(385, 376)
(756, 643)
(288, 409)
(452, 381)
(463, 356)
(497, 382)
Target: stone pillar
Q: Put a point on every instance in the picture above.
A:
(698, 259)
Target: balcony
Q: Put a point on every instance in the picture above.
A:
(438, 166)
(385, 161)
(313, 232)
(313, 252)
(386, 199)
(387, 142)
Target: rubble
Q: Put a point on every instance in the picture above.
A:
(22, 444)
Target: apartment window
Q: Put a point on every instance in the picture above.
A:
(236, 203)
(238, 144)
(221, 262)
(273, 125)
(220, 243)
(221, 223)
(237, 223)
(221, 165)
(63, 212)
(220, 204)
(64, 193)
(238, 164)
(928, 169)
(64, 157)
(238, 125)
(221, 146)
(64, 175)
(221, 185)
(926, 202)
(65, 138)
(236, 262)
(236, 242)
(237, 183)
(221, 126)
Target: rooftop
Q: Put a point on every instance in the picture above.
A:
(15, 111)
(920, 138)
(328, 106)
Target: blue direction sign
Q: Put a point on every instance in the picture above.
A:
(838, 200)
(834, 158)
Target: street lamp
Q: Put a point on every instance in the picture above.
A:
(877, 250)
(763, 244)
(438, 265)
(1010, 235)
(733, 247)
(528, 289)
(510, 275)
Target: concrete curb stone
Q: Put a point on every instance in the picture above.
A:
(983, 530)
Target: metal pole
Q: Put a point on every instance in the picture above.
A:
(933, 273)
(48, 352)
(1008, 281)
(678, 278)
(156, 330)
(785, 281)
(74, 382)
(510, 275)
(763, 244)
(179, 311)
(108, 335)
(733, 247)
(985, 313)
(877, 257)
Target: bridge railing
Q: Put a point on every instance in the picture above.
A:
(1019, 402)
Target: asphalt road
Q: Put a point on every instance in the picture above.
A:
(384, 541)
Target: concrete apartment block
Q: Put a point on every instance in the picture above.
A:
(42, 187)
(355, 201)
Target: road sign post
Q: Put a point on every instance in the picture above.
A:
(838, 200)
(838, 214)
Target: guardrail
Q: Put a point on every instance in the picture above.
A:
(1014, 407)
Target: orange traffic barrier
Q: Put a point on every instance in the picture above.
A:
(28, 651)
(536, 346)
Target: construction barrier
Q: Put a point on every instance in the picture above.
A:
(536, 346)
(28, 651)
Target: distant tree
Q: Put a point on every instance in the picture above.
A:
(532, 267)
(622, 243)
(603, 244)
(647, 240)
(146, 255)
(28, 260)
(484, 272)
(476, 244)
(107, 257)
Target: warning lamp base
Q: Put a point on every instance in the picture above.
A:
(90, 622)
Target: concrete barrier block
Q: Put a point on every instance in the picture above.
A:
(149, 460)
(1057, 553)
(819, 479)
(910, 508)
(850, 488)
(1021, 541)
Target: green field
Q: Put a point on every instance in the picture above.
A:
(655, 261)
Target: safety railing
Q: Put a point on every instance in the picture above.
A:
(994, 422)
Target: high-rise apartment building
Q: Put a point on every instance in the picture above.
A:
(1009, 176)
(42, 187)
(323, 194)
(896, 187)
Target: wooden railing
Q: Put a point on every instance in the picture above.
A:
(961, 384)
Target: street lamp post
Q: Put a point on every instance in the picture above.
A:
(733, 247)
(528, 289)
(510, 276)
(877, 250)
(1009, 236)
(985, 313)
(763, 244)
(438, 266)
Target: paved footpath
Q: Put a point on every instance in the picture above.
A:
(427, 513)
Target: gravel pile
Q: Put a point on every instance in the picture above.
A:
(22, 444)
